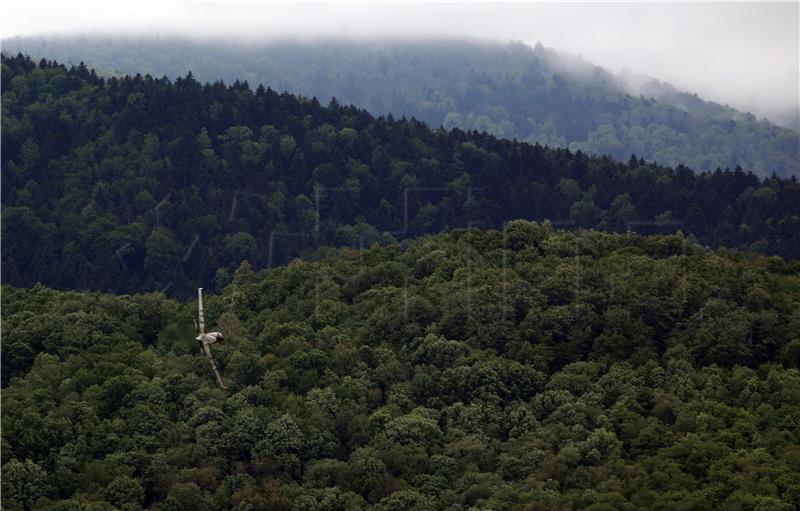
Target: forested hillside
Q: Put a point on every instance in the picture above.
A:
(511, 91)
(142, 184)
(523, 369)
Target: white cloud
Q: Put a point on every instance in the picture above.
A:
(744, 54)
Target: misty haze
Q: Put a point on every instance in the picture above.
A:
(400, 256)
(746, 54)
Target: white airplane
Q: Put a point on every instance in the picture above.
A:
(207, 339)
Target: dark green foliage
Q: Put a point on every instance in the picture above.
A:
(511, 91)
(24, 483)
(125, 493)
(547, 370)
(139, 184)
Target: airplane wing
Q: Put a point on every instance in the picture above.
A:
(201, 322)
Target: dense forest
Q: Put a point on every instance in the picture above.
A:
(527, 368)
(511, 91)
(140, 184)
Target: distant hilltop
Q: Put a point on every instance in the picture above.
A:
(513, 90)
(136, 183)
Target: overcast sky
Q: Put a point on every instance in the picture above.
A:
(744, 54)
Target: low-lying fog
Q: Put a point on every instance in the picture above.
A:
(743, 54)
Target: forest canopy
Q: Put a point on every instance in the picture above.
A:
(528, 368)
(535, 94)
(141, 184)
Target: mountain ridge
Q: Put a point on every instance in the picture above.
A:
(139, 184)
(513, 91)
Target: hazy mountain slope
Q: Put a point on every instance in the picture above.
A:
(475, 370)
(140, 184)
(512, 91)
